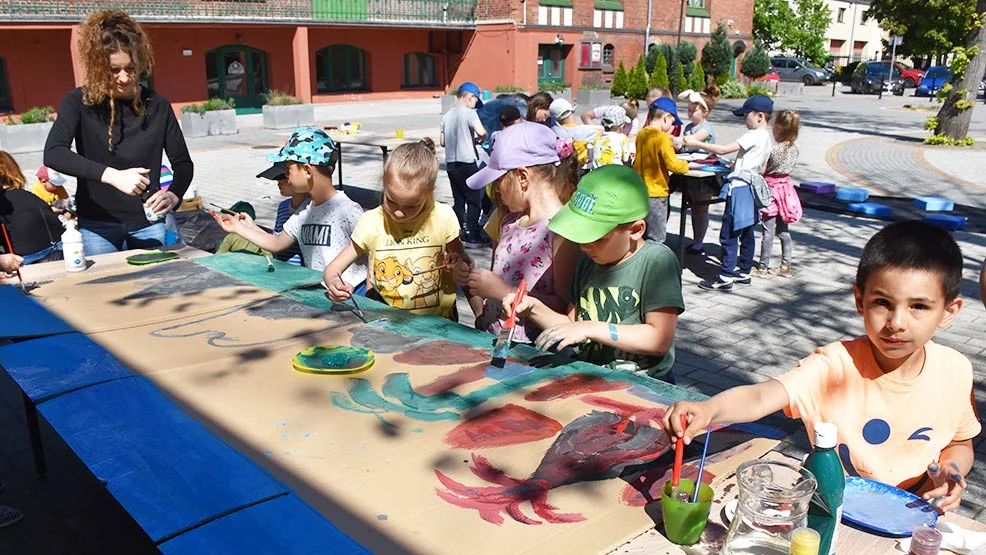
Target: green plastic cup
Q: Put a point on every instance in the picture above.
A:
(684, 521)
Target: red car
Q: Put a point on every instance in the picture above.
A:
(911, 76)
(771, 75)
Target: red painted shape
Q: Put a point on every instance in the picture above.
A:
(508, 425)
(448, 382)
(570, 386)
(438, 353)
(644, 414)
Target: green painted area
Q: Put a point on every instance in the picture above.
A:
(609, 5)
(340, 9)
(152, 257)
(691, 11)
(253, 269)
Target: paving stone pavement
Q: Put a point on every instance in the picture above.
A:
(723, 339)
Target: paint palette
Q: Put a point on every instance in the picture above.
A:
(333, 359)
(714, 168)
(884, 508)
(152, 257)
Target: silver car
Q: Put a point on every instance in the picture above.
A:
(796, 69)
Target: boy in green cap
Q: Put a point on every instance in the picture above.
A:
(625, 295)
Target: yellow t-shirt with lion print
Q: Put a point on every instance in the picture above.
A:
(403, 257)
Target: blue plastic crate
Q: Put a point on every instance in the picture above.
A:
(818, 187)
(934, 204)
(948, 221)
(852, 194)
(870, 208)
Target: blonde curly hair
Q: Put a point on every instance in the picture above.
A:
(102, 34)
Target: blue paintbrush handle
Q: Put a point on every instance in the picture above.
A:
(701, 465)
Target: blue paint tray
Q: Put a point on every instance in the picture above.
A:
(870, 208)
(948, 221)
(851, 194)
(934, 204)
(818, 187)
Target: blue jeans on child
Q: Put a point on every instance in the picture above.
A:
(100, 237)
(743, 240)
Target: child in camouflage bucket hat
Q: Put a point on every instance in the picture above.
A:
(322, 229)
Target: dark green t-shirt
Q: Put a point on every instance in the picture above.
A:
(623, 294)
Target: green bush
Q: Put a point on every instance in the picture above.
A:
(637, 81)
(682, 82)
(280, 98)
(659, 77)
(732, 89)
(943, 140)
(620, 79)
(38, 114)
(508, 89)
(756, 63)
(211, 105)
(758, 89)
(593, 87)
(697, 79)
(551, 85)
(717, 54)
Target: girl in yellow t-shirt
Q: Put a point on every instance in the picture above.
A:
(410, 240)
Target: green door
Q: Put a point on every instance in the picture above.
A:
(551, 63)
(237, 72)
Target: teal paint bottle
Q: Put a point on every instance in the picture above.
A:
(825, 510)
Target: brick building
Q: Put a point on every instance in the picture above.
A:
(332, 50)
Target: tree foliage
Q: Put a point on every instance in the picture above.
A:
(697, 79)
(619, 85)
(637, 80)
(659, 77)
(756, 63)
(929, 27)
(682, 82)
(686, 55)
(773, 23)
(717, 54)
(810, 28)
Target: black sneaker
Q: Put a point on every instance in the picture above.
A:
(476, 241)
(742, 279)
(719, 284)
(695, 251)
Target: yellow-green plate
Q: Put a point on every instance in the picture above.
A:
(333, 359)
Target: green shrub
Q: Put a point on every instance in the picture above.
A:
(758, 89)
(593, 87)
(38, 114)
(756, 63)
(551, 85)
(943, 140)
(637, 82)
(697, 79)
(280, 98)
(211, 105)
(732, 89)
(620, 79)
(659, 77)
(508, 89)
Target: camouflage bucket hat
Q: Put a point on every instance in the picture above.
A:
(307, 145)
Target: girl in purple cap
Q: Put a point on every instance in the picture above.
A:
(534, 173)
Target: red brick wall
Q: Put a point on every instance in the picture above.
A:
(39, 66)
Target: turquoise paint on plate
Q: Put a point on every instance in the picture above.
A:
(333, 359)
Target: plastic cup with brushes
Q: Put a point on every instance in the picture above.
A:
(685, 507)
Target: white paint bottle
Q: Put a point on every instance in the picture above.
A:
(72, 248)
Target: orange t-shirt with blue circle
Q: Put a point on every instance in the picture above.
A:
(890, 429)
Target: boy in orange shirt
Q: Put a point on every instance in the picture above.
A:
(902, 403)
(655, 162)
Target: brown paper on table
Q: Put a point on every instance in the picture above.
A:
(375, 473)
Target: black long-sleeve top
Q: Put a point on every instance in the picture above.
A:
(138, 142)
(31, 224)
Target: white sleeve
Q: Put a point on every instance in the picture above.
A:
(748, 140)
(292, 226)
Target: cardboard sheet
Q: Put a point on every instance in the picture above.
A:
(429, 451)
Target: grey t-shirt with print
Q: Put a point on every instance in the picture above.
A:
(323, 230)
(624, 294)
(457, 125)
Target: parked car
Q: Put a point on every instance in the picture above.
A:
(796, 69)
(771, 75)
(869, 76)
(933, 80)
(911, 76)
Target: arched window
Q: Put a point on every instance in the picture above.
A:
(340, 68)
(608, 57)
(419, 71)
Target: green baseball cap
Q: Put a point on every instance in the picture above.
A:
(606, 197)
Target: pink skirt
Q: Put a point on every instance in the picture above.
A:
(786, 203)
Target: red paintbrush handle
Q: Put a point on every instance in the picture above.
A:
(679, 452)
(518, 296)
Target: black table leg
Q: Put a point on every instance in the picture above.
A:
(34, 430)
(685, 205)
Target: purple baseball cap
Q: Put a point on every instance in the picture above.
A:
(521, 145)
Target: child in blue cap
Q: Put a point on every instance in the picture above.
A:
(322, 229)
(740, 213)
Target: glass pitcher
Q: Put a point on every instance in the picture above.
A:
(773, 502)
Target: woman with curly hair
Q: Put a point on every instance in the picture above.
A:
(33, 228)
(120, 129)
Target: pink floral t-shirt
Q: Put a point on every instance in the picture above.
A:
(522, 253)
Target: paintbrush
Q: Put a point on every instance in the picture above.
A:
(223, 210)
(701, 465)
(10, 249)
(507, 332)
(679, 452)
(356, 309)
(270, 264)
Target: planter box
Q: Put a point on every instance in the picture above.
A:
(219, 122)
(31, 137)
(289, 117)
(786, 88)
(590, 98)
